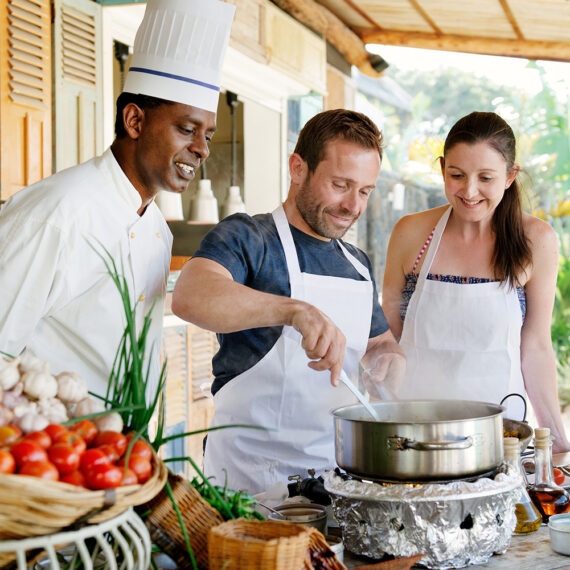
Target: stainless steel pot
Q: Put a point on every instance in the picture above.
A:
(419, 440)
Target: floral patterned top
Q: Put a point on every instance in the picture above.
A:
(412, 279)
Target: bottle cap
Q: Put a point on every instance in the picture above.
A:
(512, 447)
(542, 437)
(542, 433)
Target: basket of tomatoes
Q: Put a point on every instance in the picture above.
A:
(62, 477)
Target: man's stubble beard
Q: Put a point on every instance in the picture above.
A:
(309, 210)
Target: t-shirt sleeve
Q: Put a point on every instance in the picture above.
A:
(236, 243)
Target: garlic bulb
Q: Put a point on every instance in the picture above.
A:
(9, 373)
(31, 421)
(13, 397)
(54, 410)
(87, 406)
(24, 408)
(109, 422)
(6, 415)
(71, 387)
(39, 384)
(28, 361)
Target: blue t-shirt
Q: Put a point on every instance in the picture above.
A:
(250, 249)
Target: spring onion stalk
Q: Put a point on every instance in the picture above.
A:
(182, 525)
(126, 389)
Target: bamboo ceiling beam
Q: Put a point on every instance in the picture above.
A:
(528, 49)
(332, 29)
(511, 18)
(425, 16)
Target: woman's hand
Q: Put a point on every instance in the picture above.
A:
(384, 380)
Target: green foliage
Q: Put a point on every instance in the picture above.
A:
(561, 330)
(230, 504)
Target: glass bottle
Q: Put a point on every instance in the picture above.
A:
(550, 498)
(528, 516)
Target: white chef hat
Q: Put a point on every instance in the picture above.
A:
(179, 51)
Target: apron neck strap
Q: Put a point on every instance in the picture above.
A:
(360, 267)
(433, 246)
(284, 231)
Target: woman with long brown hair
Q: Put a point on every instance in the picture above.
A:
(469, 287)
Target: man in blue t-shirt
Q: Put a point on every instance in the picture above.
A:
(293, 306)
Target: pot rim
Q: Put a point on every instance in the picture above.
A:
(337, 412)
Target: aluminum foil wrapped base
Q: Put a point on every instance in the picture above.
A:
(453, 524)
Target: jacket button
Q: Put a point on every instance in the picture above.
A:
(158, 234)
(132, 234)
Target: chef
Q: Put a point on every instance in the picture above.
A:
(294, 305)
(57, 299)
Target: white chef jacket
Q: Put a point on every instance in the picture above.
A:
(56, 297)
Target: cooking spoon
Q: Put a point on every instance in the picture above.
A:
(274, 511)
(361, 397)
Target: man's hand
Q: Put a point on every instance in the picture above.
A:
(323, 341)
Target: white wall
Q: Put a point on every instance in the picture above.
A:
(262, 158)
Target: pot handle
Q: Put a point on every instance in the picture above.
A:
(434, 445)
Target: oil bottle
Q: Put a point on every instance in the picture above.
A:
(550, 498)
(528, 516)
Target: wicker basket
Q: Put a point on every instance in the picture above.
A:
(33, 507)
(198, 517)
(319, 550)
(253, 544)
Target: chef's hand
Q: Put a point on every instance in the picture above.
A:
(323, 341)
(384, 380)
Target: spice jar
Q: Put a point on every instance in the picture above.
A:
(550, 498)
(528, 516)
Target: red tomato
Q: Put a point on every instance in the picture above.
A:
(64, 457)
(41, 469)
(110, 451)
(86, 429)
(114, 438)
(129, 477)
(103, 476)
(7, 462)
(91, 458)
(559, 476)
(9, 434)
(53, 430)
(40, 437)
(28, 452)
(141, 467)
(74, 478)
(140, 448)
(73, 439)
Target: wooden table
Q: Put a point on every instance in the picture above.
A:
(526, 552)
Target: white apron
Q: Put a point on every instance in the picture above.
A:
(282, 393)
(462, 341)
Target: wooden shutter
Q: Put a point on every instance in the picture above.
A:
(25, 94)
(176, 374)
(189, 351)
(77, 82)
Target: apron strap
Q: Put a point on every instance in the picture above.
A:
(433, 246)
(284, 231)
(360, 267)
